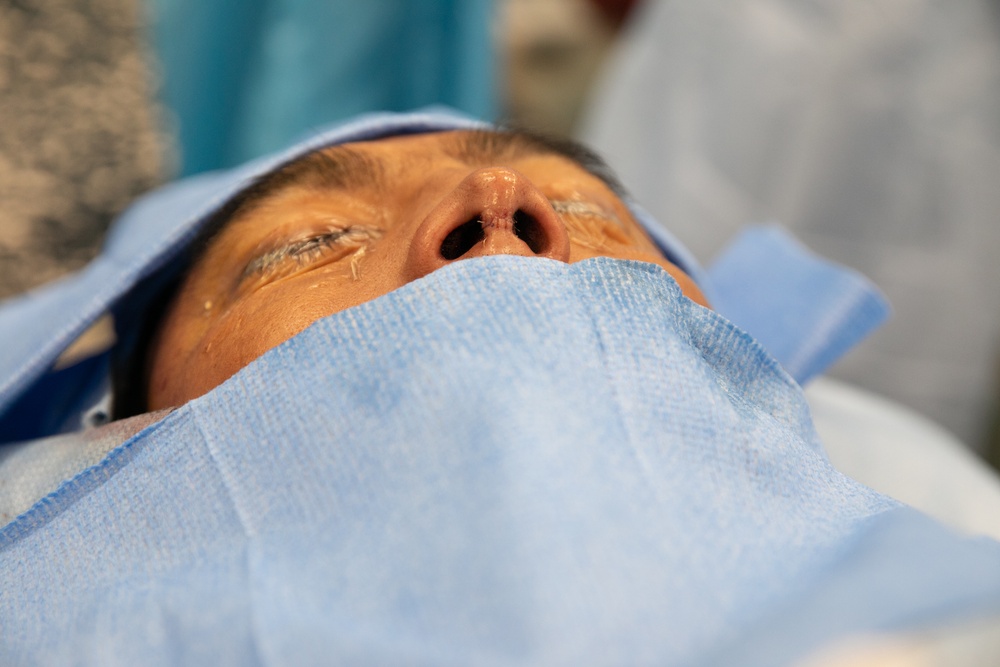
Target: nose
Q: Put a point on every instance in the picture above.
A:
(493, 211)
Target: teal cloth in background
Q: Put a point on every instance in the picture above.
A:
(245, 78)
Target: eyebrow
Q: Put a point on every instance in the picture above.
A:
(336, 167)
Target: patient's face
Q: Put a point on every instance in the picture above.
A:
(353, 222)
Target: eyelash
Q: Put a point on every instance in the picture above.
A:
(307, 250)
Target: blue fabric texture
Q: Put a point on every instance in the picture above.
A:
(510, 461)
(245, 78)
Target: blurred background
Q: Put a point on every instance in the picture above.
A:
(871, 130)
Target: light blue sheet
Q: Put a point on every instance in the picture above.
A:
(509, 462)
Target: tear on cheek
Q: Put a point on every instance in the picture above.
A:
(356, 260)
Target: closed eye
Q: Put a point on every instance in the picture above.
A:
(333, 244)
(590, 225)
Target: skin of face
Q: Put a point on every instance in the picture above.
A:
(314, 248)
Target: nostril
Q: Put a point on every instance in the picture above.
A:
(529, 230)
(462, 239)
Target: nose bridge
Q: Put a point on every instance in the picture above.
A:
(492, 211)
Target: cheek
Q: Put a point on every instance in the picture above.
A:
(243, 334)
(195, 356)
